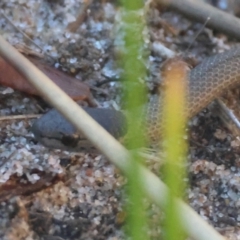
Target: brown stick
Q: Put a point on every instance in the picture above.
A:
(19, 117)
(200, 12)
(73, 26)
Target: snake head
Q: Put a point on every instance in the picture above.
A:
(54, 131)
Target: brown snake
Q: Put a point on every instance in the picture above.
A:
(206, 82)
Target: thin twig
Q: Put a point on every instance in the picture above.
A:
(20, 117)
(228, 112)
(151, 157)
(162, 51)
(73, 26)
(25, 35)
(4, 161)
(201, 11)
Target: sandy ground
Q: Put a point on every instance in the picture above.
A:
(84, 197)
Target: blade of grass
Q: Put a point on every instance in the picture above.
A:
(133, 71)
(175, 74)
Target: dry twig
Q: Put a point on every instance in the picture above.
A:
(73, 26)
(23, 33)
(19, 117)
(200, 12)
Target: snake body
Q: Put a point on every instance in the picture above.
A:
(206, 82)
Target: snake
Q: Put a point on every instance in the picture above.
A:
(206, 82)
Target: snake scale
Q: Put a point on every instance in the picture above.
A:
(206, 82)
